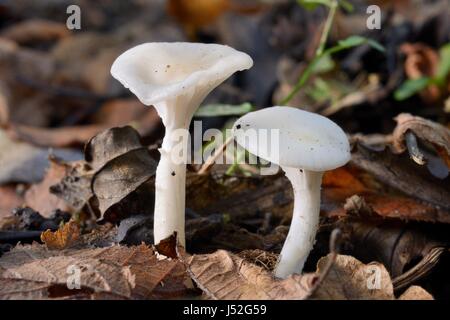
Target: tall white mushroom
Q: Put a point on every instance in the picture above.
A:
(175, 78)
(308, 145)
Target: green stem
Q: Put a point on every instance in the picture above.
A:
(319, 53)
(327, 27)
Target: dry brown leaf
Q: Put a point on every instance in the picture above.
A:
(223, 275)
(33, 272)
(403, 174)
(429, 131)
(350, 279)
(62, 238)
(416, 293)
(39, 197)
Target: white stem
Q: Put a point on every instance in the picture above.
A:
(170, 180)
(305, 221)
(170, 200)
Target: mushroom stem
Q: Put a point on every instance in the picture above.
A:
(305, 220)
(170, 180)
(170, 184)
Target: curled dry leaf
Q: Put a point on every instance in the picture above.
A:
(401, 173)
(117, 167)
(428, 131)
(223, 275)
(65, 237)
(350, 279)
(114, 272)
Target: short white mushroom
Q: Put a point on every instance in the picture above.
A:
(175, 78)
(308, 145)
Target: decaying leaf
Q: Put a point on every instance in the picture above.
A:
(117, 167)
(75, 187)
(428, 131)
(115, 272)
(223, 275)
(403, 174)
(62, 238)
(39, 197)
(350, 279)
(416, 293)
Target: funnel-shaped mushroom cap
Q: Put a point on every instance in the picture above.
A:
(157, 71)
(306, 140)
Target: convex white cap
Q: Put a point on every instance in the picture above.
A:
(306, 140)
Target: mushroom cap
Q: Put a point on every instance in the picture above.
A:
(306, 140)
(157, 71)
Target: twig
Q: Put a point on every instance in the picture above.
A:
(335, 239)
(212, 159)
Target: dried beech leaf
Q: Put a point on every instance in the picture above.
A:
(110, 144)
(350, 279)
(32, 272)
(223, 275)
(416, 293)
(121, 176)
(426, 130)
(62, 238)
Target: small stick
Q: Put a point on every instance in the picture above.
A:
(212, 159)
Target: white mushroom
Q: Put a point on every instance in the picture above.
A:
(175, 78)
(309, 144)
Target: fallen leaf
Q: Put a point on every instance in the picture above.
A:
(39, 197)
(429, 131)
(75, 187)
(62, 238)
(115, 272)
(403, 174)
(223, 275)
(350, 279)
(416, 293)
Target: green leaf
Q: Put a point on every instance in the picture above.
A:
(324, 64)
(410, 88)
(218, 110)
(312, 4)
(443, 68)
(347, 6)
(354, 41)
